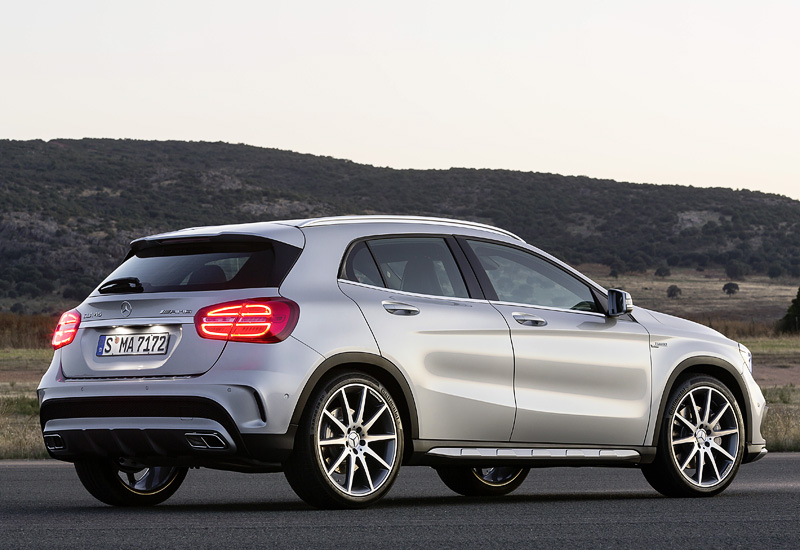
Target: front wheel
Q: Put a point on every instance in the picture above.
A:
(121, 486)
(701, 443)
(349, 444)
(482, 482)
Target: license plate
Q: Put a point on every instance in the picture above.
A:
(133, 344)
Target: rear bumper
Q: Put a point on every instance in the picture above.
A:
(754, 453)
(189, 431)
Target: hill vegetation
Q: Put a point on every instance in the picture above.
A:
(68, 209)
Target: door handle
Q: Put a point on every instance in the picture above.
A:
(399, 308)
(528, 320)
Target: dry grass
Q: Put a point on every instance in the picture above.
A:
(20, 371)
(781, 428)
(740, 330)
(26, 331)
(20, 434)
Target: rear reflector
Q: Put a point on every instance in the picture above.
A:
(66, 329)
(263, 320)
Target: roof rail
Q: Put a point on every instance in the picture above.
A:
(337, 220)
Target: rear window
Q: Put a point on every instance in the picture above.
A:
(197, 266)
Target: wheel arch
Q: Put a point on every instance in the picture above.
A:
(381, 369)
(715, 368)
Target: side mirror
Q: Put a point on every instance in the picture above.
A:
(619, 302)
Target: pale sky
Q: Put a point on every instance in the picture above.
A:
(703, 93)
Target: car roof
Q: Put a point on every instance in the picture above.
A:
(281, 228)
(380, 219)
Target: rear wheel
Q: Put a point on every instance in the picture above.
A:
(349, 445)
(480, 482)
(701, 442)
(122, 486)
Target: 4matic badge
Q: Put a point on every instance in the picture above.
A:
(175, 312)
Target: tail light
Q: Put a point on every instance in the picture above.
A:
(263, 320)
(66, 329)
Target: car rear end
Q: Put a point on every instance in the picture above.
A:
(182, 355)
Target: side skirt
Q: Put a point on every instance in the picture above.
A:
(450, 453)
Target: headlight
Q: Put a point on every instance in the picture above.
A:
(747, 356)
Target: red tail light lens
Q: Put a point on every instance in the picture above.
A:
(264, 320)
(66, 329)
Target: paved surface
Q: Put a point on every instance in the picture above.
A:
(43, 505)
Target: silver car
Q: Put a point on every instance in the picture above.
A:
(337, 349)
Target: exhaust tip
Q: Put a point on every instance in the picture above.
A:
(206, 440)
(54, 442)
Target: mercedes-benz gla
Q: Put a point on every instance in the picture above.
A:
(338, 349)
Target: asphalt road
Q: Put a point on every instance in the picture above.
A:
(43, 505)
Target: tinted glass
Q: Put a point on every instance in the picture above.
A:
(523, 278)
(360, 267)
(423, 265)
(208, 266)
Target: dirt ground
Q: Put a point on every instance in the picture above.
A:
(778, 372)
(23, 377)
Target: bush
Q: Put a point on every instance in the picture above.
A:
(730, 288)
(736, 270)
(791, 321)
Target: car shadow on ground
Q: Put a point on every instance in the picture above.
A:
(404, 502)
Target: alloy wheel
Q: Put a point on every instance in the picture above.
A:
(356, 440)
(705, 437)
(148, 481)
(498, 476)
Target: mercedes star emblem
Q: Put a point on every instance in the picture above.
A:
(126, 308)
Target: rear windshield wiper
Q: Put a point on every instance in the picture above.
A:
(123, 285)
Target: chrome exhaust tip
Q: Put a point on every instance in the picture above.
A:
(54, 442)
(206, 440)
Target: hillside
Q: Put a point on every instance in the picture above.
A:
(68, 208)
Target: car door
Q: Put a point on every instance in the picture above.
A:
(454, 349)
(580, 377)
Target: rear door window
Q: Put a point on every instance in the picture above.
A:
(198, 266)
(421, 265)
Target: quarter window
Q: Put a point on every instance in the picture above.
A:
(523, 278)
(360, 267)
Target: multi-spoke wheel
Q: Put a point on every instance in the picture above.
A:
(129, 486)
(349, 446)
(479, 482)
(701, 441)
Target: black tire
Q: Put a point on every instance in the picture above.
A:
(701, 441)
(349, 444)
(111, 484)
(483, 482)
